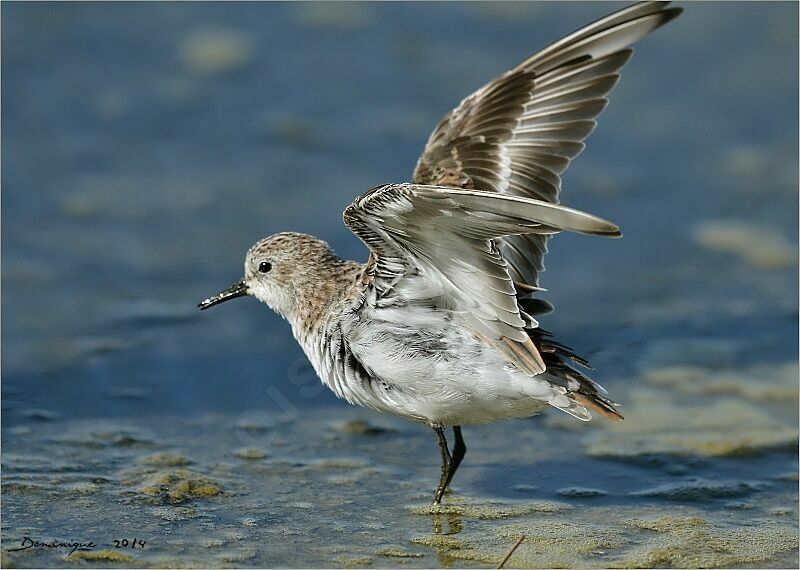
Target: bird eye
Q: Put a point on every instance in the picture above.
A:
(264, 267)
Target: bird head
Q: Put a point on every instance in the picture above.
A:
(281, 271)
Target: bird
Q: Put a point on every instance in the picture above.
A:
(440, 324)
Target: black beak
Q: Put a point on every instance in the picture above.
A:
(236, 290)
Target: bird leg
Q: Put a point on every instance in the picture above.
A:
(459, 450)
(449, 462)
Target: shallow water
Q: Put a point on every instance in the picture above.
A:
(345, 488)
(147, 146)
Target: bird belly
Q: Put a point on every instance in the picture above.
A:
(426, 365)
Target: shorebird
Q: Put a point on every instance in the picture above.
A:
(439, 325)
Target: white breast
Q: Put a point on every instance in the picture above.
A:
(425, 365)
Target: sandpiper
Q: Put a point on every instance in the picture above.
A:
(439, 325)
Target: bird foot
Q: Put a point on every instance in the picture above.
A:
(435, 508)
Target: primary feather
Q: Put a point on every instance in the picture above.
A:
(518, 133)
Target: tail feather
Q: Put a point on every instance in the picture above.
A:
(561, 363)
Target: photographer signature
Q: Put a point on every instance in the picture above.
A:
(28, 542)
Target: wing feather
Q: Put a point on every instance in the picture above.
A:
(438, 245)
(518, 133)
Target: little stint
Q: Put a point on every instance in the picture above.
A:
(439, 325)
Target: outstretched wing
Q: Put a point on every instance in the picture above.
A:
(436, 246)
(517, 134)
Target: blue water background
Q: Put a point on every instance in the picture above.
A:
(133, 183)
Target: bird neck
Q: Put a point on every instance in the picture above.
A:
(320, 294)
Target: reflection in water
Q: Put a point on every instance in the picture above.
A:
(445, 524)
(452, 522)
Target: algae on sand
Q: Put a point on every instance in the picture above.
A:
(105, 555)
(251, 453)
(165, 459)
(493, 509)
(693, 542)
(283, 510)
(398, 553)
(696, 410)
(175, 486)
(603, 537)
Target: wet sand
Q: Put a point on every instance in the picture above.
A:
(346, 488)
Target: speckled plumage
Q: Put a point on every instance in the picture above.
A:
(439, 325)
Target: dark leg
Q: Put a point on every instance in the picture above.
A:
(459, 450)
(447, 462)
